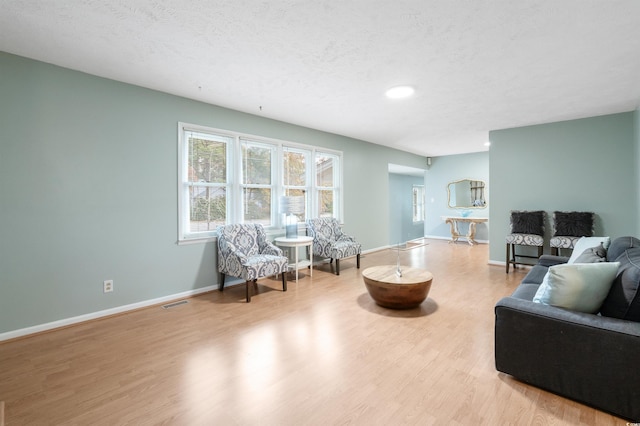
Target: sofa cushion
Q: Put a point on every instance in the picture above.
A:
(619, 245)
(592, 255)
(588, 242)
(579, 287)
(623, 300)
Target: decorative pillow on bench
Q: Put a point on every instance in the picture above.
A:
(527, 222)
(573, 224)
(579, 286)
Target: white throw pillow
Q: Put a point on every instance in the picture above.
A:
(579, 287)
(587, 242)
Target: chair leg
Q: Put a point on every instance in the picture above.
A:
(221, 286)
(284, 281)
(508, 259)
(540, 251)
(337, 266)
(358, 261)
(248, 291)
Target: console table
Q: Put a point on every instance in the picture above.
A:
(453, 222)
(300, 241)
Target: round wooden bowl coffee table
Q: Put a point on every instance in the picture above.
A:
(389, 290)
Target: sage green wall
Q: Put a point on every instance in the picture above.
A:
(447, 169)
(88, 190)
(582, 165)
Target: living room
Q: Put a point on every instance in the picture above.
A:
(89, 190)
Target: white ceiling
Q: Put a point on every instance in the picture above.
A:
(477, 65)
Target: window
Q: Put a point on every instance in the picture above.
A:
(256, 183)
(418, 203)
(327, 184)
(204, 182)
(227, 177)
(295, 176)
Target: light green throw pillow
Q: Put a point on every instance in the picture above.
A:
(579, 287)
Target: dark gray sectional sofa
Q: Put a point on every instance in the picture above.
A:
(590, 358)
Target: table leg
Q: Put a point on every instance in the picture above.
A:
(454, 230)
(296, 249)
(472, 234)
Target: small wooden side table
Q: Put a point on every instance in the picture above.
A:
(295, 243)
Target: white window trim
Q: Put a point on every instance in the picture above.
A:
(234, 169)
(183, 193)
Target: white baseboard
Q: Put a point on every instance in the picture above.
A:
(100, 314)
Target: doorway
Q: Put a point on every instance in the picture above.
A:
(405, 225)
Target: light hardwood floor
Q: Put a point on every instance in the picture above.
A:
(320, 354)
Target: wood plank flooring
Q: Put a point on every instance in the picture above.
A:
(321, 353)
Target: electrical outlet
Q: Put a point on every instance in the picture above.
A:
(107, 286)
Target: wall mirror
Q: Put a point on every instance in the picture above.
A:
(466, 194)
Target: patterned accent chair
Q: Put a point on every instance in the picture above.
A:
(245, 252)
(527, 229)
(568, 228)
(330, 242)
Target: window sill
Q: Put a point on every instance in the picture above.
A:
(190, 241)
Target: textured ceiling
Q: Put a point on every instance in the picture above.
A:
(477, 65)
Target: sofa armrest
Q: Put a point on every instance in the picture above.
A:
(345, 237)
(585, 357)
(270, 248)
(228, 250)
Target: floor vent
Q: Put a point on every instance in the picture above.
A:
(174, 304)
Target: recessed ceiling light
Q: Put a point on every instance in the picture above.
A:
(487, 144)
(400, 92)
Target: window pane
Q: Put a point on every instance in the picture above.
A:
(295, 169)
(207, 208)
(256, 164)
(418, 203)
(207, 158)
(324, 168)
(257, 205)
(325, 203)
